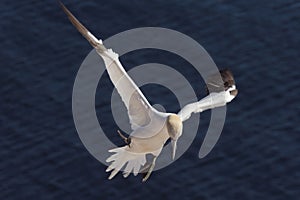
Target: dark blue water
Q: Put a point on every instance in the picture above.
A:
(257, 156)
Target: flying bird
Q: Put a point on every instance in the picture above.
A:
(151, 129)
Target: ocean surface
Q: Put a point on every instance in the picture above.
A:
(257, 155)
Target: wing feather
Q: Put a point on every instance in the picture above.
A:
(218, 95)
(211, 101)
(139, 109)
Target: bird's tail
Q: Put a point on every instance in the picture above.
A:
(122, 156)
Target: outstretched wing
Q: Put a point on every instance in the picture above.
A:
(220, 92)
(139, 109)
(211, 101)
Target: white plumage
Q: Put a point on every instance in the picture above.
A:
(150, 128)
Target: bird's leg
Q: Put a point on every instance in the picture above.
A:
(126, 140)
(145, 169)
(150, 169)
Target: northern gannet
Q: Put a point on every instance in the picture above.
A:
(151, 129)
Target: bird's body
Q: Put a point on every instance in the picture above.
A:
(151, 129)
(143, 141)
(141, 136)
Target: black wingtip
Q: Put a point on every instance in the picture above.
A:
(214, 85)
(61, 4)
(92, 39)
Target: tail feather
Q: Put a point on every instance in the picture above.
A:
(122, 156)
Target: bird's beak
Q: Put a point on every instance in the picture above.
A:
(174, 146)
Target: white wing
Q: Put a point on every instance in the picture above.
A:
(222, 89)
(139, 109)
(211, 101)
